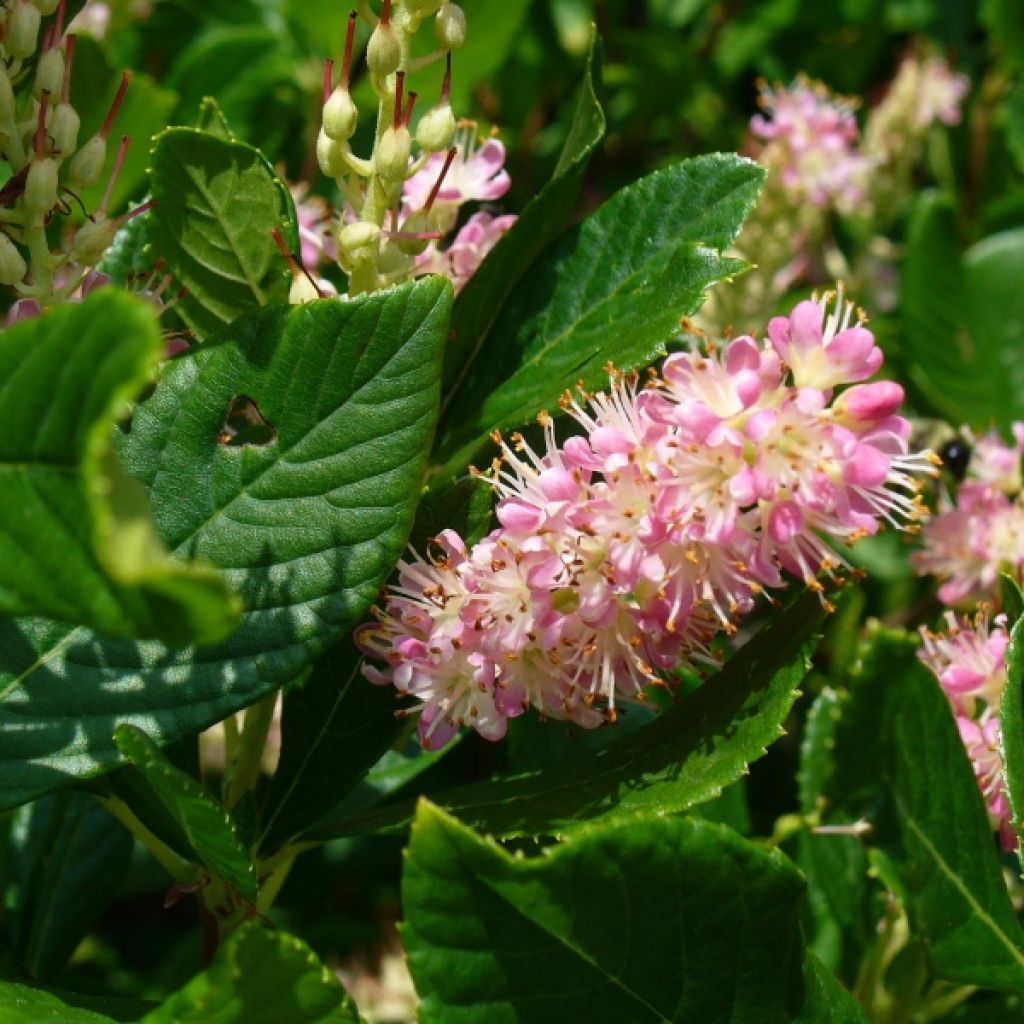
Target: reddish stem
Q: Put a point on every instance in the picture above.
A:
(449, 157)
(40, 138)
(446, 82)
(407, 117)
(396, 119)
(350, 35)
(126, 77)
(122, 150)
(328, 78)
(385, 14)
(69, 56)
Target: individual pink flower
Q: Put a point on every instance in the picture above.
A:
(476, 173)
(808, 137)
(940, 93)
(996, 463)
(475, 239)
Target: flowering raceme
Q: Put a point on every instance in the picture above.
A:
(969, 660)
(621, 553)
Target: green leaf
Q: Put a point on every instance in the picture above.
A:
(334, 728)
(684, 757)
(259, 977)
(898, 741)
(1011, 722)
(479, 305)
(216, 202)
(648, 921)
(66, 853)
(1010, 598)
(129, 257)
(465, 505)
(307, 526)
(78, 544)
(825, 1000)
(964, 318)
(20, 1004)
(208, 826)
(211, 120)
(612, 290)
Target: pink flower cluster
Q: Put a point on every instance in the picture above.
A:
(442, 186)
(940, 93)
(969, 660)
(809, 137)
(980, 533)
(621, 552)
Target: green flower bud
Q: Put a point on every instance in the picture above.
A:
(87, 165)
(391, 156)
(12, 264)
(92, 240)
(49, 73)
(340, 115)
(415, 224)
(302, 290)
(330, 155)
(384, 52)
(436, 128)
(64, 126)
(423, 8)
(357, 243)
(22, 29)
(450, 26)
(8, 108)
(41, 187)
(393, 259)
(46, 7)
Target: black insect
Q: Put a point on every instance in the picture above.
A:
(956, 456)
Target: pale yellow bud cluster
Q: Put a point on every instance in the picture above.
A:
(379, 246)
(39, 140)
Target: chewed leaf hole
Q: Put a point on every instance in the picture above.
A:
(244, 425)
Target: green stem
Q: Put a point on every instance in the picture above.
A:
(177, 867)
(243, 770)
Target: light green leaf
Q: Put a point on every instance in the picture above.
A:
(207, 825)
(77, 543)
(898, 741)
(649, 921)
(1011, 723)
(216, 202)
(612, 290)
(259, 977)
(479, 305)
(66, 852)
(307, 526)
(20, 1004)
(684, 757)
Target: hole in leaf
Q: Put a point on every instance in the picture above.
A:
(244, 424)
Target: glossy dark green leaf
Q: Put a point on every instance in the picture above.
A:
(129, 259)
(649, 921)
(684, 757)
(899, 754)
(216, 202)
(334, 727)
(259, 977)
(212, 119)
(825, 1000)
(465, 505)
(1011, 725)
(78, 544)
(612, 290)
(21, 1004)
(306, 527)
(964, 318)
(207, 825)
(1010, 598)
(481, 302)
(67, 853)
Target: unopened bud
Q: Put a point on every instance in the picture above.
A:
(49, 72)
(436, 128)
(391, 156)
(384, 52)
(8, 108)
(302, 290)
(423, 8)
(63, 129)
(357, 243)
(92, 240)
(46, 7)
(340, 115)
(22, 29)
(330, 155)
(450, 26)
(12, 264)
(415, 224)
(87, 165)
(41, 187)
(393, 259)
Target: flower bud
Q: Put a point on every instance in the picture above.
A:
(87, 165)
(302, 290)
(384, 52)
(391, 156)
(41, 187)
(393, 259)
(340, 115)
(330, 155)
(357, 243)
(423, 8)
(49, 72)
(46, 7)
(436, 128)
(450, 26)
(12, 264)
(415, 224)
(64, 126)
(22, 30)
(8, 108)
(92, 240)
